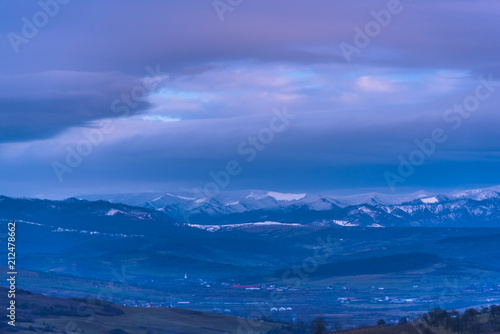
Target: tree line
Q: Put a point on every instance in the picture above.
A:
(472, 321)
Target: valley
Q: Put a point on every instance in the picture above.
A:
(288, 271)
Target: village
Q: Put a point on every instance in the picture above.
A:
(286, 302)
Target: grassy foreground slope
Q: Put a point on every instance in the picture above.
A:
(401, 329)
(40, 313)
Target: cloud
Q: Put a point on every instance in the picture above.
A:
(134, 35)
(374, 84)
(160, 118)
(41, 105)
(218, 83)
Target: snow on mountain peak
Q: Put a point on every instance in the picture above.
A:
(286, 197)
(475, 194)
(256, 196)
(372, 209)
(429, 200)
(277, 196)
(181, 197)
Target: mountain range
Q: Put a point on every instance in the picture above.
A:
(469, 208)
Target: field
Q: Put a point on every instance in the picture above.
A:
(38, 313)
(353, 276)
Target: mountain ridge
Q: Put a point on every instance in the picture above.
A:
(474, 207)
(250, 208)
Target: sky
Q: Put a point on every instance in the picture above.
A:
(285, 95)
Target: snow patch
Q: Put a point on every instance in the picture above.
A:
(181, 197)
(277, 196)
(23, 221)
(286, 197)
(214, 228)
(430, 200)
(138, 215)
(186, 198)
(113, 212)
(119, 235)
(256, 196)
(364, 209)
(343, 223)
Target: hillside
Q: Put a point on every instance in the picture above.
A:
(39, 313)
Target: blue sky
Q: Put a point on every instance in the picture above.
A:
(130, 96)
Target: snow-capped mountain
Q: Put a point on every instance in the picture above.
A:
(477, 207)
(221, 204)
(73, 215)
